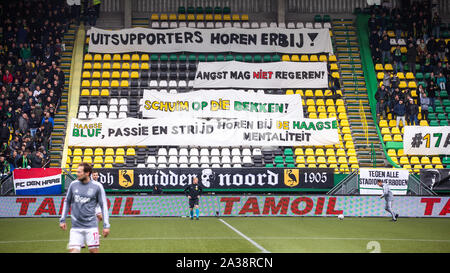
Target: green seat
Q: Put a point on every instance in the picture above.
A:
(181, 10)
(431, 116)
(442, 117)
(278, 159)
(439, 109)
(248, 58)
(267, 58)
(290, 165)
(446, 160)
(163, 58)
(326, 18)
(192, 58)
(209, 10)
(317, 18)
(289, 159)
(217, 10)
(288, 152)
(430, 110)
(226, 10)
(276, 58)
(190, 10)
(419, 76)
(182, 58)
(229, 58)
(424, 84)
(394, 145)
(437, 103)
(434, 123)
(446, 102)
(443, 123)
(239, 58)
(443, 93)
(257, 58)
(173, 57)
(417, 67)
(269, 165)
(154, 57)
(279, 166)
(220, 58)
(427, 75)
(201, 58)
(199, 10)
(447, 109)
(211, 58)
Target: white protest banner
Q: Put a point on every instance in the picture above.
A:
(170, 131)
(225, 103)
(295, 41)
(426, 140)
(396, 178)
(235, 74)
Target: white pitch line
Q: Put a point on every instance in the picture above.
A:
(263, 250)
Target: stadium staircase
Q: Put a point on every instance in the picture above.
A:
(355, 95)
(59, 131)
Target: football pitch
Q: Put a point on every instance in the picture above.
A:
(238, 234)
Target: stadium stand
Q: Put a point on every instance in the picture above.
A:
(34, 58)
(411, 61)
(113, 83)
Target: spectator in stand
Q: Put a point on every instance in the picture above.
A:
(424, 104)
(24, 160)
(411, 56)
(385, 50)
(413, 111)
(441, 81)
(381, 109)
(4, 134)
(5, 168)
(399, 111)
(436, 24)
(431, 90)
(37, 160)
(398, 66)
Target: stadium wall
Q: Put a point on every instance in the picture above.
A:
(235, 205)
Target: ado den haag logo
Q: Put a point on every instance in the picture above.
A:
(126, 178)
(291, 177)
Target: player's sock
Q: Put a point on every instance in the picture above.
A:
(192, 213)
(197, 212)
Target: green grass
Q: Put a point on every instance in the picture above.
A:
(276, 234)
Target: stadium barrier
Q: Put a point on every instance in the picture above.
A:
(235, 205)
(219, 179)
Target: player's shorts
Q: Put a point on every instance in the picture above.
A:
(193, 202)
(388, 204)
(81, 236)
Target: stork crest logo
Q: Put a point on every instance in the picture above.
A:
(291, 177)
(126, 178)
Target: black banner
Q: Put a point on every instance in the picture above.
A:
(436, 179)
(245, 179)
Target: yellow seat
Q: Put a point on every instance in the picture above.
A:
(88, 57)
(120, 151)
(98, 159)
(119, 160)
(98, 151)
(244, 17)
(332, 58)
(124, 83)
(87, 66)
(135, 57)
(85, 83)
(298, 151)
(86, 74)
(311, 160)
(134, 75)
(154, 17)
(425, 160)
(172, 17)
(191, 17)
(412, 84)
(404, 160)
(116, 57)
(388, 67)
(318, 93)
(323, 58)
(95, 92)
(391, 152)
(436, 160)
(106, 66)
(295, 58)
(332, 160)
(107, 166)
(300, 160)
(87, 159)
(289, 92)
(285, 58)
(97, 166)
(309, 93)
(109, 151)
(235, 17)
(105, 83)
(387, 138)
(104, 92)
(208, 17)
(98, 65)
(145, 66)
(125, 74)
(313, 58)
(68, 160)
(226, 17)
(309, 151)
(333, 66)
(321, 160)
(217, 17)
(114, 83)
(85, 92)
(310, 102)
(115, 75)
(109, 159)
(352, 160)
(145, 57)
(342, 160)
(410, 76)
(116, 66)
(380, 75)
(398, 138)
(163, 17)
(77, 151)
(300, 92)
(131, 151)
(304, 58)
(76, 159)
